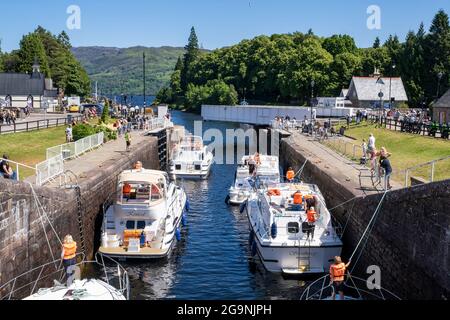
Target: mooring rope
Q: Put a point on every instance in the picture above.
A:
(369, 227)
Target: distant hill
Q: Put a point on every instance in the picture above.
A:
(120, 70)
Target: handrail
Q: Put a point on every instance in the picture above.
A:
(122, 275)
(48, 123)
(17, 166)
(307, 295)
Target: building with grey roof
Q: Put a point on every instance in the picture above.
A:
(20, 90)
(441, 109)
(364, 92)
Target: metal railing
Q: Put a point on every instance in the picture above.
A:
(22, 286)
(18, 166)
(425, 170)
(74, 149)
(49, 169)
(357, 288)
(36, 124)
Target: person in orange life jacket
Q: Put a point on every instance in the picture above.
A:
(337, 276)
(126, 190)
(311, 217)
(68, 254)
(298, 200)
(290, 175)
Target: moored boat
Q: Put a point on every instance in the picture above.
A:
(191, 159)
(288, 237)
(248, 172)
(46, 282)
(146, 219)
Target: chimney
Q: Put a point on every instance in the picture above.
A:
(48, 84)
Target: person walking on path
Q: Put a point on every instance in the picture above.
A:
(337, 277)
(128, 139)
(385, 164)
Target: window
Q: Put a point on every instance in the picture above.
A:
(178, 167)
(130, 225)
(140, 225)
(198, 167)
(293, 227)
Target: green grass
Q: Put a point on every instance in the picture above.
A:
(408, 150)
(30, 147)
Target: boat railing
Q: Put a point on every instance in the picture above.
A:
(22, 285)
(355, 288)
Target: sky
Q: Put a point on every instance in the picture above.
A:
(219, 23)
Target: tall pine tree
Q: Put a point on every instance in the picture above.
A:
(192, 52)
(32, 48)
(437, 55)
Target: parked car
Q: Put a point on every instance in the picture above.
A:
(74, 108)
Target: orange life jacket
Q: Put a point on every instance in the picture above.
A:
(274, 192)
(126, 188)
(298, 199)
(338, 271)
(70, 250)
(290, 175)
(311, 216)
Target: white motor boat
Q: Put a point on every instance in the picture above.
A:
(279, 234)
(191, 159)
(146, 219)
(267, 172)
(113, 285)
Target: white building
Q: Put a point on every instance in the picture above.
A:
(20, 90)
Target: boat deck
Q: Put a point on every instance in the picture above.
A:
(123, 252)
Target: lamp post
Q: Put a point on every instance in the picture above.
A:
(312, 97)
(390, 86)
(145, 98)
(439, 75)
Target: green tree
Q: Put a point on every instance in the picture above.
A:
(192, 53)
(437, 54)
(105, 113)
(32, 48)
(377, 43)
(338, 44)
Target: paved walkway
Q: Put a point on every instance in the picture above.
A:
(353, 176)
(112, 150)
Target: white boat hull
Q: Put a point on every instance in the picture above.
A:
(285, 259)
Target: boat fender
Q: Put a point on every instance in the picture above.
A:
(184, 219)
(178, 234)
(254, 249)
(251, 237)
(242, 207)
(227, 200)
(274, 230)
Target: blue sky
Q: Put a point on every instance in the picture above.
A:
(219, 23)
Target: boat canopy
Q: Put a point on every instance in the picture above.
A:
(143, 176)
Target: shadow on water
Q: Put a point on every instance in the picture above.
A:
(213, 259)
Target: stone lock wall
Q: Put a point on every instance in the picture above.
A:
(411, 237)
(23, 244)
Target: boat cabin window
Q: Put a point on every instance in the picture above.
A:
(198, 167)
(178, 167)
(135, 225)
(293, 227)
(140, 193)
(140, 225)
